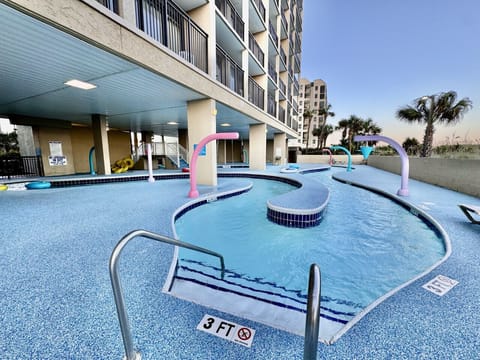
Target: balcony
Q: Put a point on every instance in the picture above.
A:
(255, 49)
(256, 94)
(260, 7)
(111, 5)
(272, 72)
(232, 16)
(165, 22)
(273, 33)
(281, 114)
(284, 31)
(229, 73)
(283, 89)
(272, 105)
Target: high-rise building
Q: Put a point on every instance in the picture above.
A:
(312, 98)
(183, 68)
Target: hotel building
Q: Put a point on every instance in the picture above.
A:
(183, 69)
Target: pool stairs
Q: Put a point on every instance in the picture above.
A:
(259, 289)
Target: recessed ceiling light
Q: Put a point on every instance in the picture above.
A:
(80, 84)
(172, 123)
(225, 124)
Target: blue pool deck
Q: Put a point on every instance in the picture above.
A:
(56, 300)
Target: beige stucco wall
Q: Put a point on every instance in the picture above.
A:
(119, 145)
(62, 136)
(454, 174)
(324, 159)
(82, 142)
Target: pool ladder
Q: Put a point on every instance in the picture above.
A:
(313, 303)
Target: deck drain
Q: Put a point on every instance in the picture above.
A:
(440, 285)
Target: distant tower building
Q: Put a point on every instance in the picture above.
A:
(312, 97)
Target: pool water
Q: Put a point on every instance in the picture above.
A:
(366, 245)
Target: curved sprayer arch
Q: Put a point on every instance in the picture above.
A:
(193, 163)
(403, 191)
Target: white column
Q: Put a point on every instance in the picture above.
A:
(257, 147)
(201, 123)
(100, 141)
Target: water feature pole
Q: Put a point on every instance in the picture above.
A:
(193, 163)
(349, 165)
(403, 191)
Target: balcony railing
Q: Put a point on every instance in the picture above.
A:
(272, 106)
(228, 72)
(283, 87)
(283, 56)
(232, 16)
(256, 93)
(272, 72)
(165, 22)
(284, 22)
(260, 7)
(281, 114)
(273, 33)
(255, 48)
(111, 5)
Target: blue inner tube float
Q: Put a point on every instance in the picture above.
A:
(38, 185)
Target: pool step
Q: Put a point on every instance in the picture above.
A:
(259, 289)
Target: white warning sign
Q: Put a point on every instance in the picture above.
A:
(227, 330)
(440, 285)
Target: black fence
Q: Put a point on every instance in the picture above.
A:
(168, 24)
(13, 166)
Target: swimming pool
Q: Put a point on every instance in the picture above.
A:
(366, 246)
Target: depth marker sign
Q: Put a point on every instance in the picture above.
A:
(227, 330)
(440, 285)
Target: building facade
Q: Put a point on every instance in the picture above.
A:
(312, 98)
(183, 68)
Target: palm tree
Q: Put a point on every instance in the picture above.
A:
(327, 131)
(308, 114)
(432, 109)
(343, 125)
(411, 145)
(355, 126)
(324, 111)
(370, 128)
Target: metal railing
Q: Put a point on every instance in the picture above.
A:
(232, 16)
(312, 322)
(255, 48)
(130, 352)
(229, 73)
(111, 5)
(272, 105)
(168, 24)
(261, 8)
(12, 166)
(272, 72)
(256, 93)
(273, 33)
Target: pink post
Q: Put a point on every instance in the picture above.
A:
(327, 150)
(193, 162)
(403, 191)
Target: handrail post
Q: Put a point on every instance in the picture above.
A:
(130, 352)
(312, 322)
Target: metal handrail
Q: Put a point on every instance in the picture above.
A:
(130, 352)
(312, 322)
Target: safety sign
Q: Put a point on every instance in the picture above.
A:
(440, 285)
(227, 330)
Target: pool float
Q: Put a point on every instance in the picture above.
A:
(293, 168)
(38, 185)
(123, 165)
(3, 187)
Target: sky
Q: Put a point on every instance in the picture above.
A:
(377, 56)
